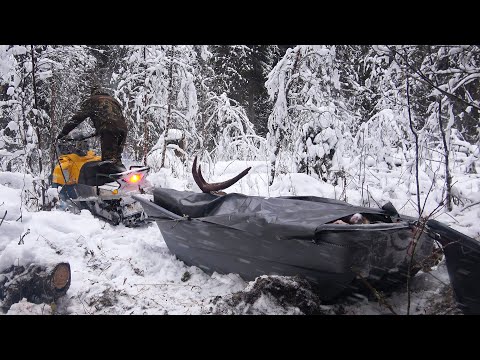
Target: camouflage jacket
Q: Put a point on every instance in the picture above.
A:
(105, 112)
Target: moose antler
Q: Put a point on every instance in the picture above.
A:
(206, 187)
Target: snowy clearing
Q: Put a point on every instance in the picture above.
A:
(120, 270)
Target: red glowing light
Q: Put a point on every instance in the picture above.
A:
(134, 178)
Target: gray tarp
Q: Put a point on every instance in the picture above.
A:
(252, 236)
(287, 216)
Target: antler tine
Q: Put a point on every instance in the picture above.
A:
(200, 175)
(196, 177)
(206, 187)
(224, 184)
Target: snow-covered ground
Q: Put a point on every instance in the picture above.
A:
(120, 270)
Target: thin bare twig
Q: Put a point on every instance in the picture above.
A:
(21, 237)
(436, 278)
(406, 202)
(84, 308)
(418, 231)
(379, 296)
(428, 194)
(458, 222)
(165, 284)
(109, 265)
(371, 196)
(429, 190)
(466, 207)
(423, 78)
(1, 222)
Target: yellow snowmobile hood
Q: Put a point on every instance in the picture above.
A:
(71, 165)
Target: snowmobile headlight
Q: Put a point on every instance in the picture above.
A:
(115, 192)
(134, 178)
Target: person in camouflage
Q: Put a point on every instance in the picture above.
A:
(108, 120)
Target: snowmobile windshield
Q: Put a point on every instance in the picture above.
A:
(71, 146)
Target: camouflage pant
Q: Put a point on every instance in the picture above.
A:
(113, 142)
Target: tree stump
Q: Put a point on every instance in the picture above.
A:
(37, 283)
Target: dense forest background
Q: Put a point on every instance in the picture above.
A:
(333, 112)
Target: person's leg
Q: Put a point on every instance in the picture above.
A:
(122, 137)
(108, 143)
(113, 143)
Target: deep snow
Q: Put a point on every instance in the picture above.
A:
(120, 270)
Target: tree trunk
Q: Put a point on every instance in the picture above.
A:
(279, 137)
(251, 103)
(145, 118)
(37, 283)
(412, 128)
(53, 129)
(169, 107)
(273, 161)
(448, 177)
(37, 129)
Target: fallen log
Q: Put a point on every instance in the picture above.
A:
(37, 283)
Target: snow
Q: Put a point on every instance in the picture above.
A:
(23, 307)
(108, 263)
(337, 125)
(120, 270)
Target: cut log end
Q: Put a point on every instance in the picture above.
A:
(37, 283)
(61, 276)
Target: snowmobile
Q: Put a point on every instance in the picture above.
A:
(102, 187)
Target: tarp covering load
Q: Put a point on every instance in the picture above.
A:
(328, 242)
(254, 236)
